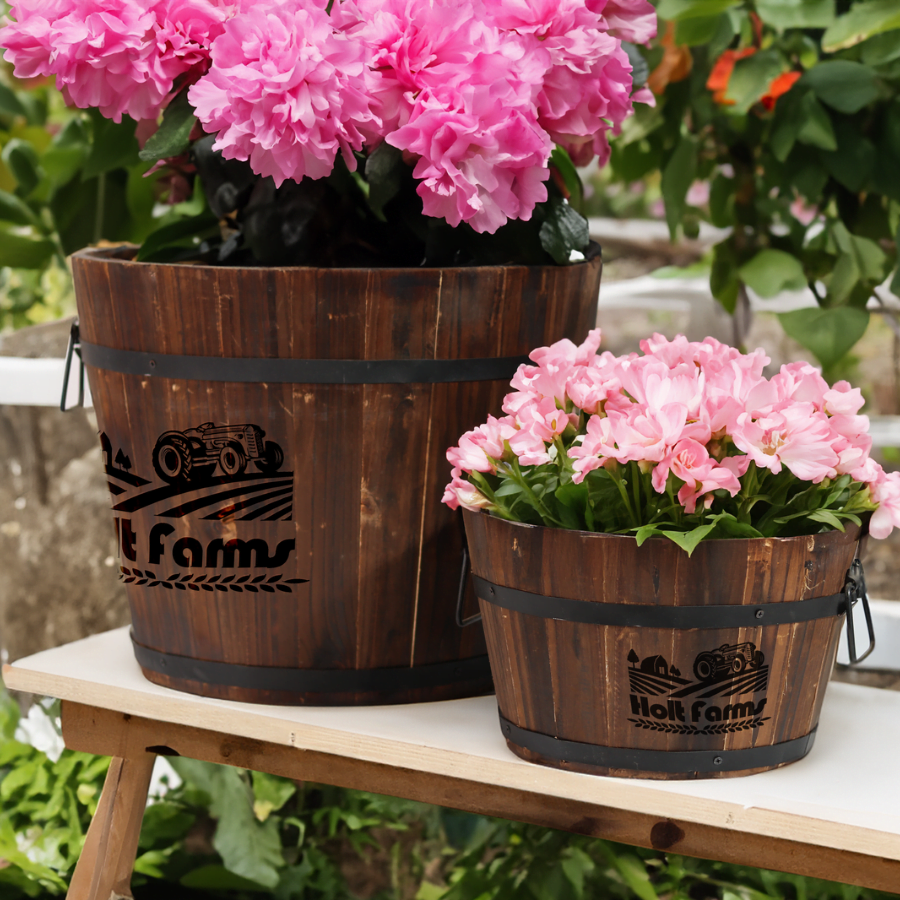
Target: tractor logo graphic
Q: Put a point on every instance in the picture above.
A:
(729, 659)
(663, 700)
(210, 471)
(193, 455)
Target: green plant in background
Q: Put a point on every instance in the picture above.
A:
(228, 833)
(789, 111)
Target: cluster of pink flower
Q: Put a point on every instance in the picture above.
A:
(474, 91)
(702, 411)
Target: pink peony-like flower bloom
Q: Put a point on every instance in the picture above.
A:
(629, 20)
(482, 158)
(121, 56)
(285, 91)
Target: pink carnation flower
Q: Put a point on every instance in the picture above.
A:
(285, 91)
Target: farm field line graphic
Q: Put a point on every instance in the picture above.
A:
(265, 496)
(675, 687)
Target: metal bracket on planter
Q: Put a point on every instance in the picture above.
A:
(461, 596)
(73, 348)
(855, 589)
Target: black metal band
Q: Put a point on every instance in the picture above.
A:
(313, 681)
(647, 616)
(301, 371)
(675, 762)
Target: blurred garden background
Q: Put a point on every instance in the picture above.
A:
(758, 201)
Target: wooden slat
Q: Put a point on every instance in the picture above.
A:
(94, 730)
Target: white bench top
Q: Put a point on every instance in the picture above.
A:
(844, 795)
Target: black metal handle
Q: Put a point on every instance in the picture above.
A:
(855, 589)
(73, 348)
(463, 581)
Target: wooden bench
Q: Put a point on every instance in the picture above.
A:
(834, 814)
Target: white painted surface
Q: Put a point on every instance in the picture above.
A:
(844, 795)
(38, 382)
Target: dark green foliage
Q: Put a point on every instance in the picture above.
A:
(832, 142)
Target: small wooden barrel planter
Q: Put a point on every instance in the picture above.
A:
(617, 660)
(274, 441)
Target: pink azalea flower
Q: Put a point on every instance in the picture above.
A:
(463, 493)
(690, 461)
(478, 448)
(798, 437)
(843, 400)
(530, 450)
(285, 91)
(886, 493)
(545, 419)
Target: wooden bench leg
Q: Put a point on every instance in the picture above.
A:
(104, 869)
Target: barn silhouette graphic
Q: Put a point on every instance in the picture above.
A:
(218, 472)
(723, 671)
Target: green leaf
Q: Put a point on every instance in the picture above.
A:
(881, 49)
(724, 283)
(218, 878)
(563, 231)
(675, 10)
(782, 14)
(727, 526)
(22, 161)
(562, 162)
(772, 271)
(815, 126)
(828, 333)
(862, 21)
(751, 78)
(12, 209)
(851, 163)
(248, 848)
(677, 177)
(178, 234)
(113, 146)
(384, 173)
(634, 874)
(10, 105)
(688, 540)
(844, 85)
(826, 517)
(270, 793)
(173, 136)
(21, 252)
(695, 31)
(645, 532)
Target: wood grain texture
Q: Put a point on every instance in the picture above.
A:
(103, 871)
(94, 730)
(645, 688)
(364, 465)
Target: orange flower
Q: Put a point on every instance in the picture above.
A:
(780, 85)
(675, 65)
(721, 74)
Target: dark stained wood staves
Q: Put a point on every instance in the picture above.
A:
(571, 680)
(381, 554)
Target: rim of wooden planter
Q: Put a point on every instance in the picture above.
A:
(123, 253)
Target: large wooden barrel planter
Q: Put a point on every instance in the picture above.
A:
(617, 660)
(274, 441)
